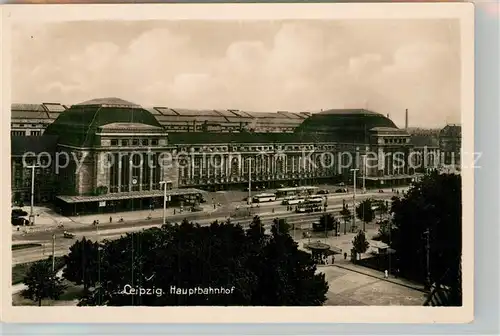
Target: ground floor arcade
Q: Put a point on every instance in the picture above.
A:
(128, 201)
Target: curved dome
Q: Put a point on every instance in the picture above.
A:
(77, 125)
(344, 125)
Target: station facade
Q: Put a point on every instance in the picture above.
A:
(110, 154)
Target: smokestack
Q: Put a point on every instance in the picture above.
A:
(406, 119)
(388, 116)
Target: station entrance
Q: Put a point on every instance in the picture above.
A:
(130, 201)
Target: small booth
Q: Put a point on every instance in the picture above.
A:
(319, 250)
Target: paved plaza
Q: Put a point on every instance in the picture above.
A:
(351, 288)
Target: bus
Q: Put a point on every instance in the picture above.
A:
(311, 205)
(306, 190)
(316, 200)
(264, 198)
(291, 200)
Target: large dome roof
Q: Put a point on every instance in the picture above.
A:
(77, 125)
(346, 125)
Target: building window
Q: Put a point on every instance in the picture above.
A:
(145, 142)
(114, 142)
(154, 142)
(33, 125)
(124, 142)
(17, 133)
(36, 133)
(135, 142)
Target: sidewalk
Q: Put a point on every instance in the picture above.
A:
(136, 215)
(348, 265)
(78, 221)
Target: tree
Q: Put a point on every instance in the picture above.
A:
(346, 215)
(289, 274)
(260, 269)
(42, 283)
(434, 206)
(382, 208)
(82, 263)
(359, 243)
(256, 232)
(385, 232)
(365, 212)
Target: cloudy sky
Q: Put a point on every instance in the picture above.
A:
(384, 66)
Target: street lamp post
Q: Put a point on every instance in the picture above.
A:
(354, 170)
(249, 181)
(427, 235)
(164, 183)
(53, 253)
(364, 173)
(32, 214)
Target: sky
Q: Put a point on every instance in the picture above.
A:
(385, 66)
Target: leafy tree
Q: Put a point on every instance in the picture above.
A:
(382, 208)
(359, 243)
(346, 216)
(385, 232)
(365, 212)
(327, 222)
(432, 205)
(263, 269)
(289, 274)
(256, 233)
(82, 263)
(42, 283)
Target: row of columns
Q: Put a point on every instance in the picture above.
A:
(125, 170)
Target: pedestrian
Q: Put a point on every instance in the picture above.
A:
(110, 219)
(272, 210)
(386, 274)
(174, 211)
(345, 255)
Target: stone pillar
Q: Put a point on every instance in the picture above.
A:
(130, 176)
(150, 165)
(141, 172)
(102, 170)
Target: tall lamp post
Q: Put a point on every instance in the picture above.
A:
(364, 173)
(164, 183)
(354, 171)
(32, 214)
(249, 181)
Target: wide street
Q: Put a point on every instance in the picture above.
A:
(238, 213)
(349, 284)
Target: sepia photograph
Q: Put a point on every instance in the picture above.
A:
(286, 162)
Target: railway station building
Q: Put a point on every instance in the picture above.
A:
(109, 154)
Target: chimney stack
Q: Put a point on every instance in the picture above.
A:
(388, 116)
(406, 119)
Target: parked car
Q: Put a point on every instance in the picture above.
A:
(341, 190)
(19, 213)
(68, 235)
(20, 221)
(323, 192)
